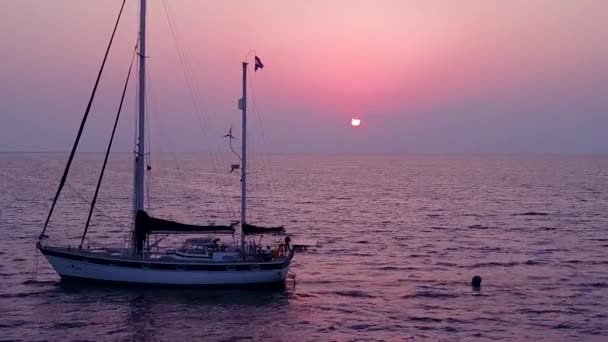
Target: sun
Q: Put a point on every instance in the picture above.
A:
(355, 122)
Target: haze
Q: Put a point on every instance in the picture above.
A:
(481, 76)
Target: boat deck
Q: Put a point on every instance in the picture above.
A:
(122, 255)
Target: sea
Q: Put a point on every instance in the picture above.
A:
(395, 241)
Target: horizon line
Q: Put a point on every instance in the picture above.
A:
(531, 153)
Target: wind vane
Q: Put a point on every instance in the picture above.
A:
(230, 138)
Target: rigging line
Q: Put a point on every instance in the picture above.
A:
(190, 83)
(79, 195)
(105, 160)
(160, 142)
(182, 57)
(152, 108)
(82, 123)
(35, 271)
(161, 147)
(188, 74)
(265, 157)
(255, 185)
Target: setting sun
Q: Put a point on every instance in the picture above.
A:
(355, 122)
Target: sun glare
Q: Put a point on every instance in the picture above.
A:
(355, 122)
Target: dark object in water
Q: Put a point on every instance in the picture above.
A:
(476, 282)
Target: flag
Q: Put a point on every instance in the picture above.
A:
(258, 64)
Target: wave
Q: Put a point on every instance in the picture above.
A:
(447, 264)
(479, 226)
(70, 325)
(532, 213)
(305, 295)
(417, 256)
(505, 264)
(429, 294)
(12, 325)
(354, 294)
(361, 327)
(425, 319)
(40, 282)
(496, 264)
(22, 294)
(396, 268)
(599, 285)
(541, 311)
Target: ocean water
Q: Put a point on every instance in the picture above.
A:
(399, 239)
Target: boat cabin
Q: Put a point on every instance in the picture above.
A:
(206, 248)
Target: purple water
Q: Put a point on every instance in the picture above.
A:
(400, 238)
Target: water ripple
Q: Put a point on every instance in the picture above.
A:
(400, 239)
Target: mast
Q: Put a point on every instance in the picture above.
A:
(138, 205)
(141, 149)
(243, 107)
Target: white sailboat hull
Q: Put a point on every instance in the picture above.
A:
(147, 273)
(255, 268)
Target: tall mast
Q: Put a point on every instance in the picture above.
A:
(141, 141)
(243, 107)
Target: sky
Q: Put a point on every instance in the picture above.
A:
(471, 76)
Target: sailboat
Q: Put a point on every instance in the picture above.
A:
(200, 261)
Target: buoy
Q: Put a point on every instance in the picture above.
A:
(476, 282)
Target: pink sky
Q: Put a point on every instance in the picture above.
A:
(424, 76)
